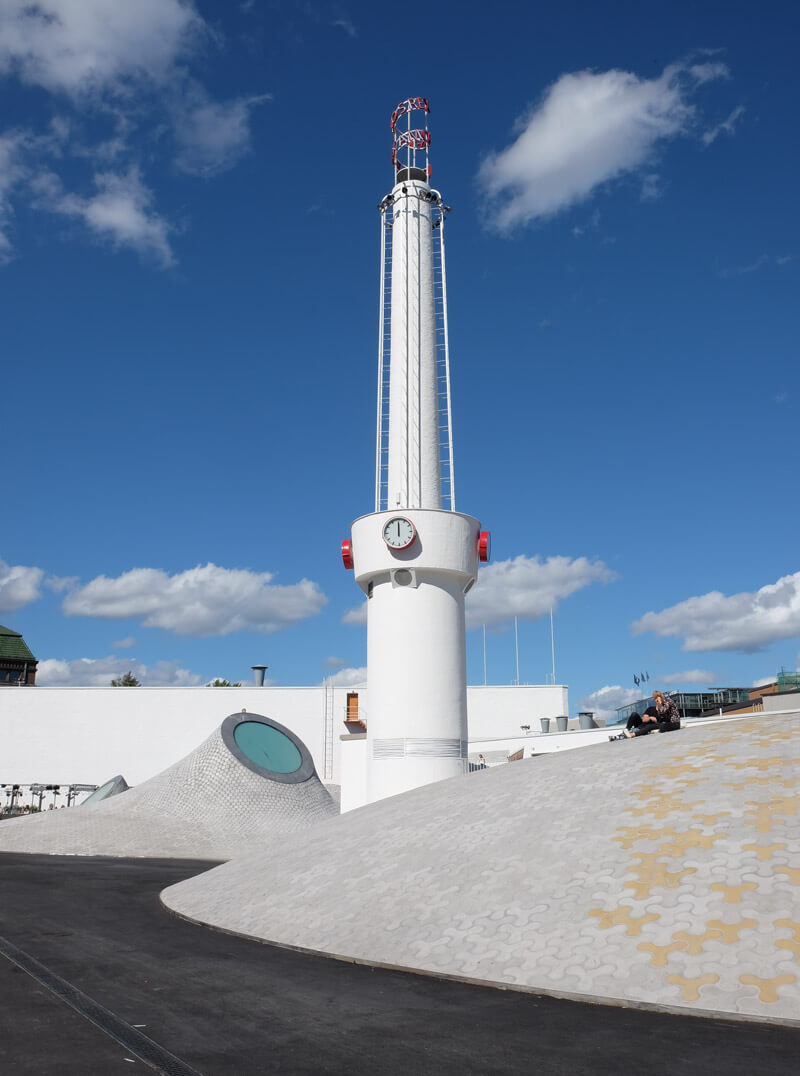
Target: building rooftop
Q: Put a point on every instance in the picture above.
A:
(13, 647)
(658, 872)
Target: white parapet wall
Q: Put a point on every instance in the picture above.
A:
(84, 735)
(502, 711)
(87, 734)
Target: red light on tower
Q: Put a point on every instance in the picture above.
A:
(347, 554)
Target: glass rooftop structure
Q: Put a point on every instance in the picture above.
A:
(690, 703)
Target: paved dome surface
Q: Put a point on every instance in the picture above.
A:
(663, 870)
(207, 806)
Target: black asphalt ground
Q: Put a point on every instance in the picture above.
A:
(193, 1000)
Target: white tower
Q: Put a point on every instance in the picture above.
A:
(415, 557)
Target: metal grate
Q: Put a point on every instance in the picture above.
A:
(419, 747)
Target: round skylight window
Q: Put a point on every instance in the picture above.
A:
(267, 747)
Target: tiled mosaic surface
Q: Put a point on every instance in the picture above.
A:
(663, 870)
(207, 806)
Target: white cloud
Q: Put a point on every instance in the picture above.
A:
(528, 587)
(651, 187)
(604, 702)
(727, 126)
(99, 672)
(18, 586)
(356, 615)
(746, 621)
(85, 46)
(347, 678)
(206, 600)
(690, 676)
(347, 26)
(707, 72)
(334, 662)
(119, 212)
(754, 265)
(213, 135)
(589, 128)
(124, 644)
(12, 171)
(127, 65)
(60, 583)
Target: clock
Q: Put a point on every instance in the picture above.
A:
(399, 533)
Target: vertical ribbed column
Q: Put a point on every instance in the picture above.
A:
(414, 472)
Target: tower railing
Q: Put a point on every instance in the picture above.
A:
(384, 359)
(446, 464)
(447, 470)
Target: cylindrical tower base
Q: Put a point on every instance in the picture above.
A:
(416, 649)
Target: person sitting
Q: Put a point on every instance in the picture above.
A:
(636, 721)
(641, 724)
(669, 718)
(663, 717)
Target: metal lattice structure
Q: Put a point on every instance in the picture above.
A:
(410, 160)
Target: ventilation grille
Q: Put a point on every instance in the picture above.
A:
(428, 747)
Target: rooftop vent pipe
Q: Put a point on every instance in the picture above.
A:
(258, 674)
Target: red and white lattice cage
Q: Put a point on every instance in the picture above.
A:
(411, 139)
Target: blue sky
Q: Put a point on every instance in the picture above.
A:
(188, 328)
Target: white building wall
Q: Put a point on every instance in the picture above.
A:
(87, 734)
(353, 773)
(84, 735)
(498, 712)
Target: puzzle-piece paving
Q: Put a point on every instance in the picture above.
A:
(690, 988)
(768, 988)
(763, 851)
(622, 915)
(729, 932)
(693, 943)
(660, 953)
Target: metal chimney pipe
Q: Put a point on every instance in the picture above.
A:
(258, 674)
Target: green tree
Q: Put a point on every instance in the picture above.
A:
(128, 680)
(224, 683)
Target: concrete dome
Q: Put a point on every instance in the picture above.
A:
(661, 871)
(215, 803)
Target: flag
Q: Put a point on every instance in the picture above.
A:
(636, 679)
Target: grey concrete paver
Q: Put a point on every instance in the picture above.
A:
(647, 883)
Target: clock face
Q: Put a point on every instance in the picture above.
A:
(399, 533)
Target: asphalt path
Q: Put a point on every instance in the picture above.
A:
(87, 952)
